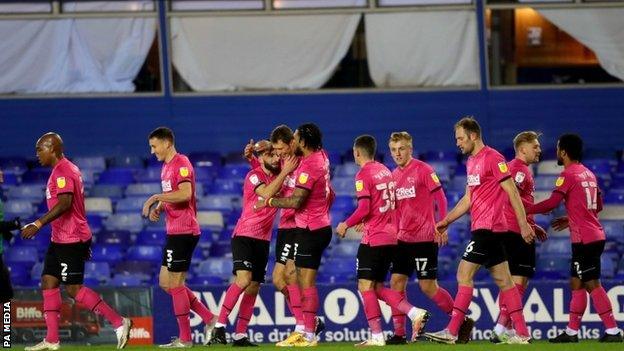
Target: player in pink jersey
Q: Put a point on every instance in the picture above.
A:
(284, 278)
(311, 200)
(250, 244)
(70, 247)
(489, 188)
(578, 188)
(178, 202)
(521, 255)
(374, 188)
(417, 188)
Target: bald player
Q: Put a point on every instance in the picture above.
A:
(70, 247)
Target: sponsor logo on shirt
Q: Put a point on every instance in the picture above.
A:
(303, 178)
(166, 185)
(254, 179)
(435, 178)
(184, 172)
(473, 180)
(290, 182)
(519, 177)
(559, 181)
(359, 185)
(405, 193)
(60, 182)
(503, 167)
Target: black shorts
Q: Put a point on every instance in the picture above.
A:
(485, 248)
(520, 255)
(422, 257)
(66, 262)
(586, 260)
(310, 245)
(285, 245)
(373, 262)
(6, 289)
(178, 252)
(250, 254)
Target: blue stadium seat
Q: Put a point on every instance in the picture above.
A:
(227, 186)
(221, 203)
(21, 255)
(100, 206)
(149, 175)
(600, 167)
(205, 175)
(41, 241)
(216, 267)
(441, 156)
(553, 262)
(344, 185)
(444, 171)
(614, 229)
(98, 270)
(18, 208)
(128, 161)
(614, 198)
(545, 182)
(16, 165)
(152, 236)
(346, 248)
(111, 253)
(95, 223)
(130, 205)
(205, 281)
(205, 159)
(346, 170)
(126, 280)
(143, 189)
(95, 163)
(31, 192)
(117, 176)
(556, 246)
(121, 237)
(35, 272)
(338, 270)
(234, 171)
(220, 249)
(145, 253)
(235, 158)
(112, 191)
(608, 266)
(37, 175)
(458, 183)
(10, 179)
(19, 274)
(334, 158)
(132, 222)
(145, 268)
(344, 203)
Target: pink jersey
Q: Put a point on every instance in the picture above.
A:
(313, 175)
(72, 226)
(486, 170)
(287, 215)
(253, 223)
(181, 217)
(415, 184)
(523, 177)
(580, 191)
(375, 181)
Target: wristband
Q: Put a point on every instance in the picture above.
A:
(270, 204)
(37, 224)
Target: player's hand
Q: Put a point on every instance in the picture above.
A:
(147, 205)
(442, 226)
(359, 228)
(440, 238)
(560, 223)
(540, 233)
(290, 164)
(248, 152)
(341, 229)
(154, 214)
(29, 230)
(527, 233)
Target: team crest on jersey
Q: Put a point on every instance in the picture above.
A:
(166, 185)
(559, 181)
(60, 182)
(520, 177)
(303, 178)
(359, 185)
(254, 179)
(184, 172)
(435, 178)
(503, 167)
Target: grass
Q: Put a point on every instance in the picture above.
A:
(421, 346)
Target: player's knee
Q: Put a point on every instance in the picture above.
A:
(253, 288)
(243, 280)
(398, 283)
(464, 279)
(428, 286)
(365, 285)
(72, 290)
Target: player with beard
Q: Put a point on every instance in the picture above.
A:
(578, 188)
(250, 244)
(489, 187)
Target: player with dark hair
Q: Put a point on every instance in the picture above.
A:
(311, 200)
(375, 193)
(578, 188)
(489, 187)
(250, 243)
(178, 202)
(70, 247)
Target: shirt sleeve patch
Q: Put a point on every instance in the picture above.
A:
(184, 171)
(303, 178)
(502, 167)
(61, 182)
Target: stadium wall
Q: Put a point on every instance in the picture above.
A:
(113, 126)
